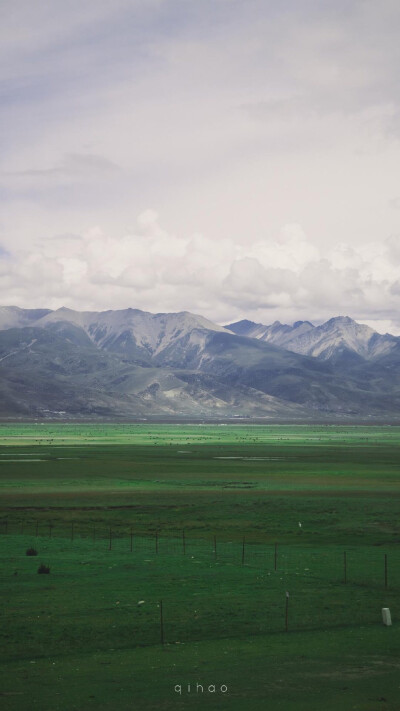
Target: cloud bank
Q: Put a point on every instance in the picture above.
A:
(286, 278)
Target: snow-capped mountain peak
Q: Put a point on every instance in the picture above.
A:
(336, 337)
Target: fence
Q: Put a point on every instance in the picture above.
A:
(121, 589)
(352, 564)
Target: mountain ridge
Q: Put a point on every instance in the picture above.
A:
(132, 363)
(337, 337)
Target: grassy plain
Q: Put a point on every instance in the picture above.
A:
(79, 639)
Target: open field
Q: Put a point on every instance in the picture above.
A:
(78, 639)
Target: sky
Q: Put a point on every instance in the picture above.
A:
(238, 159)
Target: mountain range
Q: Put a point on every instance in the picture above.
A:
(131, 364)
(337, 339)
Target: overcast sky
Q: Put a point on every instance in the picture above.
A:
(236, 158)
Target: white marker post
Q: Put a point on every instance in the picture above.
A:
(386, 617)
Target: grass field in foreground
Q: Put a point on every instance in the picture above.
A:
(78, 639)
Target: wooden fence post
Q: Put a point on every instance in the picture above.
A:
(161, 623)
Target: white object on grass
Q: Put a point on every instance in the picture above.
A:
(386, 617)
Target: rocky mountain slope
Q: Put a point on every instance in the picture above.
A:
(43, 373)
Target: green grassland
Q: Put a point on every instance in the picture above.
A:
(128, 515)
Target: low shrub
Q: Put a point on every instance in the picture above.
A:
(31, 551)
(43, 569)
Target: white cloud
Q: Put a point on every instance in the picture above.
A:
(286, 278)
